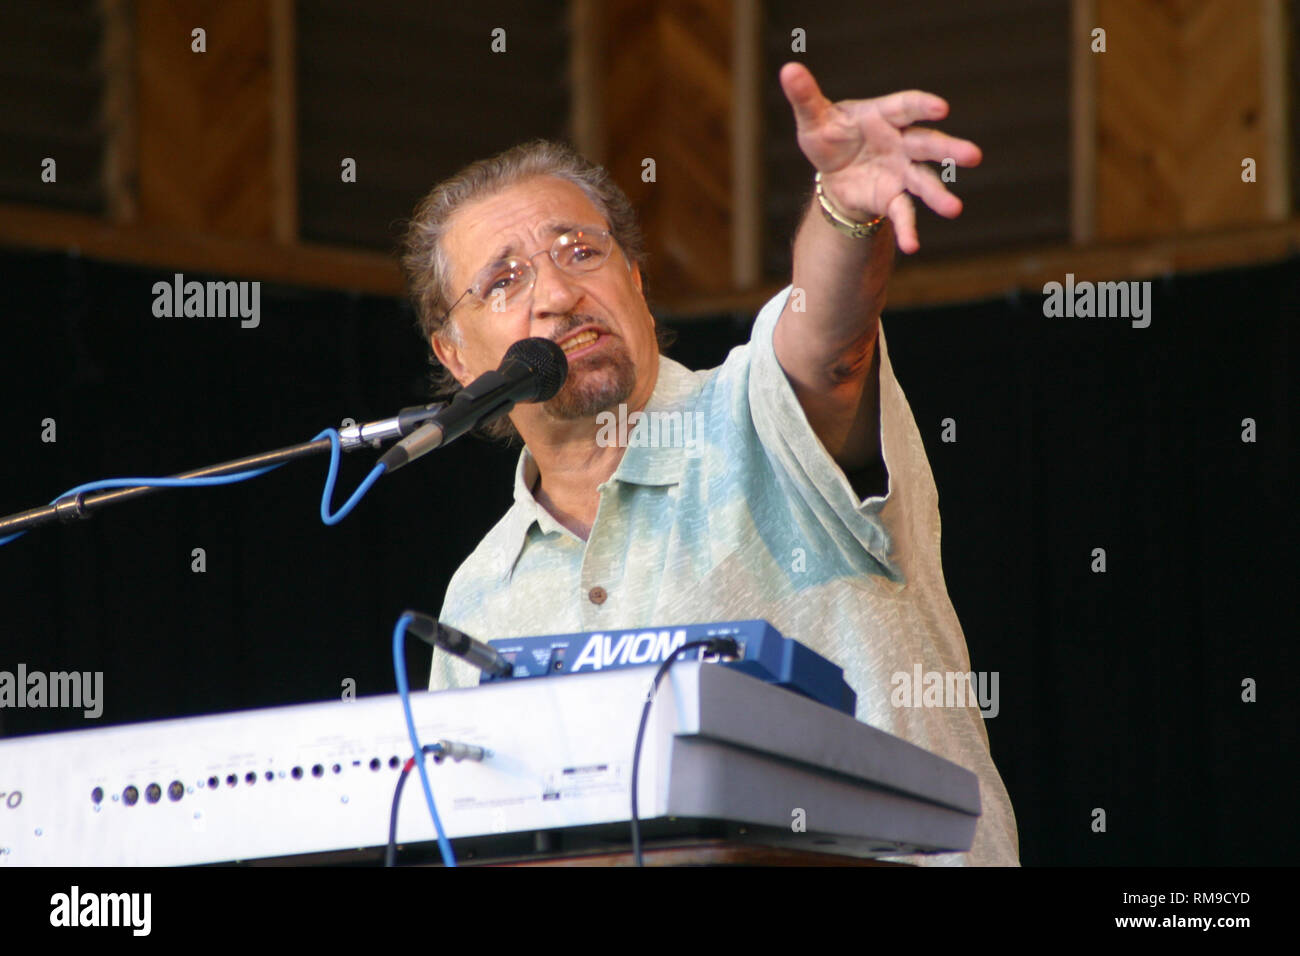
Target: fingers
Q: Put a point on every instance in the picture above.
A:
(923, 144)
(922, 182)
(804, 94)
(912, 106)
(903, 216)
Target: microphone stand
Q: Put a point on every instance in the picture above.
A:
(83, 505)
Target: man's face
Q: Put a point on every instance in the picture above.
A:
(524, 220)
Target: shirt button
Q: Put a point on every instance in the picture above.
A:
(597, 595)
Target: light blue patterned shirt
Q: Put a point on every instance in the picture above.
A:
(741, 513)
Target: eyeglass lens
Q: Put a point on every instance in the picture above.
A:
(577, 251)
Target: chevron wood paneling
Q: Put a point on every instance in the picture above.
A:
(668, 97)
(1185, 90)
(1181, 101)
(205, 119)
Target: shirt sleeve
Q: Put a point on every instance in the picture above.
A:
(882, 524)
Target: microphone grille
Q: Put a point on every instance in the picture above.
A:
(546, 359)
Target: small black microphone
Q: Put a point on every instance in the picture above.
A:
(532, 371)
(483, 656)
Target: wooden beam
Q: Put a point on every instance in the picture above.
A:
(117, 59)
(586, 71)
(1025, 271)
(746, 144)
(1277, 90)
(1083, 122)
(187, 251)
(923, 284)
(284, 123)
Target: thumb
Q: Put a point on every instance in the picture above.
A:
(804, 94)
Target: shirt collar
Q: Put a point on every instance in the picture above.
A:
(662, 463)
(641, 464)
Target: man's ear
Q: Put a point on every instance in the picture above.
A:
(448, 353)
(636, 275)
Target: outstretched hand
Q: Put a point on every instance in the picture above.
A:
(872, 157)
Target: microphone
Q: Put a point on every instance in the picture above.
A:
(532, 371)
(483, 656)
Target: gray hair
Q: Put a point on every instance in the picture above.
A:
(428, 271)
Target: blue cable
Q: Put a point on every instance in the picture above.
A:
(330, 479)
(152, 483)
(332, 476)
(399, 666)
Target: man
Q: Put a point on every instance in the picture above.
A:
(805, 498)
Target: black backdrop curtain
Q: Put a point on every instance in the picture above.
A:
(1119, 690)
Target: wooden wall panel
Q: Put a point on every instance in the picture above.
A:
(413, 91)
(1002, 65)
(1181, 99)
(205, 119)
(194, 160)
(52, 96)
(669, 97)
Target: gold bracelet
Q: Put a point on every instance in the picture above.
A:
(858, 230)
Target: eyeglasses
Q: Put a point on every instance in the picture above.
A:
(501, 284)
